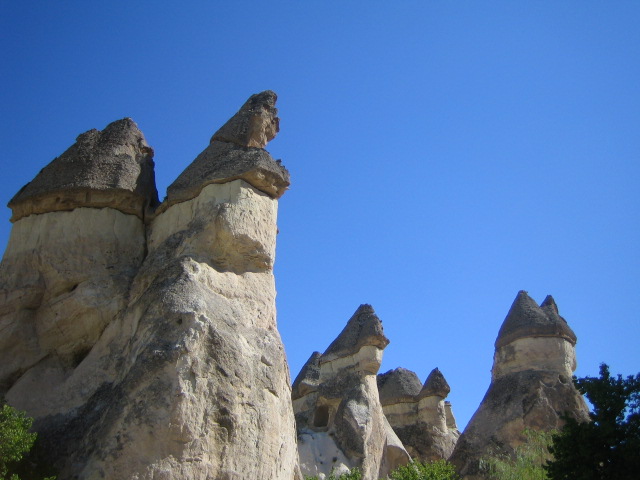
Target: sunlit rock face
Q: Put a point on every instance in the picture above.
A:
(185, 377)
(339, 417)
(531, 384)
(77, 242)
(418, 413)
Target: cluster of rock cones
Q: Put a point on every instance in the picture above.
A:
(142, 336)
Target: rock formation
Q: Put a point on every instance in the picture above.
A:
(339, 417)
(530, 387)
(145, 344)
(418, 413)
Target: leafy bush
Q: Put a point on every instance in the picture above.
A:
(354, 474)
(528, 463)
(15, 440)
(438, 470)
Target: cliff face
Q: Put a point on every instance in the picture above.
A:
(530, 386)
(145, 345)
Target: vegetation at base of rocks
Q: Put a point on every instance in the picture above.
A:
(15, 441)
(527, 463)
(608, 447)
(354, 474)
(437, 470)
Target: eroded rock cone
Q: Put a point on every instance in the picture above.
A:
(530, 387)
(339, 417)
(189, 378)
(418, 413)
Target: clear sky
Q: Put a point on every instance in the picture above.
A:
(444, 155)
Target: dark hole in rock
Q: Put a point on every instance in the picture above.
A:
(321, 416)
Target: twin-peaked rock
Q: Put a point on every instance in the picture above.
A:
(530, 387)
(145, 343)
(339, 417)
(418, 413)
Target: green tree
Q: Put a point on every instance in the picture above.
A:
(527, 463)
(608, 447)
(15, 439)
(438, 470)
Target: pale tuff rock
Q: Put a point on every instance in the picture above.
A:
(339, 417)
(418, 413)
(531, 384)
(109, 168)
(151, 359)
(236, 152)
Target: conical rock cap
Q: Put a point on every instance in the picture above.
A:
(309, 377)
(255, 124)
(363, 328)
(234, 153)
(399, 385)
(103, 168)
(527, 319)
(435, 384)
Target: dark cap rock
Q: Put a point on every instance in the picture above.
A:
(232, 155)
(363, 328)
(399, 385)
(309, 377)
(527, 319)
(109, 168)
(435, 384)
(255, 124)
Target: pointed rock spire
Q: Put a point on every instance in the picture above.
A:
(236, 152)
(399, 385)
(527, 319)
(308, 379)
(109, 168)
(435, 384)
(255, 124)
(363, 328)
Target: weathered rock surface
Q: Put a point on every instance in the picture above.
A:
(109, 168)
(184, 375)
(236, 152)
(339, 417)
(530, 387)
(418, 413)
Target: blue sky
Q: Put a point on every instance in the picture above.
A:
(444, 155)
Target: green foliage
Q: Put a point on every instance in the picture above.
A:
(528, 462)
(15, 439)
(354, 474)
(608, 447)
(438, 470)
(15, 442)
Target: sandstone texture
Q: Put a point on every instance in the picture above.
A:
(150, 350)
(418, 413)
(339, 417)
(530, 386)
